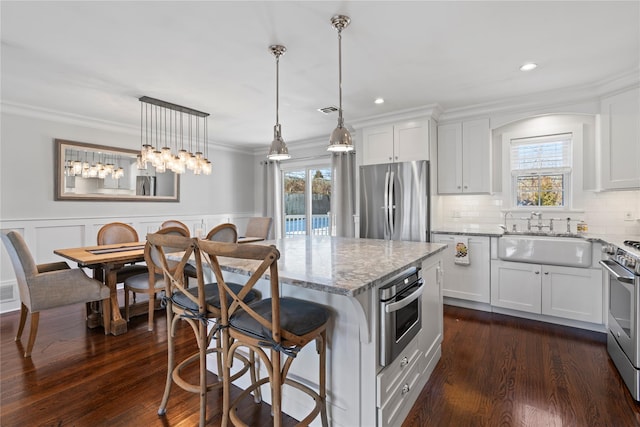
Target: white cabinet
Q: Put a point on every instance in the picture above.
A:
(464, 157)
(572, 293)
(468, 282)
(399, 384)
(567, 292)
(620, 142)
(400, 142)
(516, 285)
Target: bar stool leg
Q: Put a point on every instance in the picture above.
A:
(322, 353)
(170, 361)
(276, 388)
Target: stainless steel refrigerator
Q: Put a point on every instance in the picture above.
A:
(394, 201)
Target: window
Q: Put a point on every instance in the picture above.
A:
(541, 170)
(307, 200)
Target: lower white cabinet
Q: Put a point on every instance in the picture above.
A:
(399, 383)
(516, 285)
(567, 292)
(572, 293)
(468, 282)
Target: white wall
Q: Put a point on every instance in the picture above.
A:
(27, 187)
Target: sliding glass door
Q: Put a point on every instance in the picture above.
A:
(307, 200)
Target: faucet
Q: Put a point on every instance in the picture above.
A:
(504, 226)
(539, 224)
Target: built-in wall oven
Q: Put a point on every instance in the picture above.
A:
(400, 313)
(623, 341)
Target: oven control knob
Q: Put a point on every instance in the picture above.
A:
(609, 249)
(631, 263)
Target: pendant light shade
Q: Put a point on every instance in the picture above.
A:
(340, 139)
(278, 150)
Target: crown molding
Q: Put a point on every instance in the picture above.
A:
(91, 122)
(547, 99)
(432, 110)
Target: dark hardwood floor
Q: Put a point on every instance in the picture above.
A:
(498, 370)
(495, 371)
(80, 377)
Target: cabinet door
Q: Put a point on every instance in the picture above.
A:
(621, 140)
(377, 145)
(516, 285)
(411, 141)
(476, 156)
(432, 316)
(572, 293)
(450, 158)
(468, 282)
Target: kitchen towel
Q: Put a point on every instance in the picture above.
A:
(461, 250)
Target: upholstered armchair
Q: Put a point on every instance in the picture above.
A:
(51, 285)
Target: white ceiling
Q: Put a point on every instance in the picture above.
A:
(95, 59)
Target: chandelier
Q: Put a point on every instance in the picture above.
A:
(340, 139)
(169, 134)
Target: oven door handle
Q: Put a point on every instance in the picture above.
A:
(395, 306)
(616, 271)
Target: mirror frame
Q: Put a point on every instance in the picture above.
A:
(61, 145)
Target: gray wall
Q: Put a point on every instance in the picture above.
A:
(26, 175)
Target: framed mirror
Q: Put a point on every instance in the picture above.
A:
(97, 172)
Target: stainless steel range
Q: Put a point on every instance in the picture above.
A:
(623, 340)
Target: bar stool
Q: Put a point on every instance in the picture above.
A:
(197, 306)
(280, 326)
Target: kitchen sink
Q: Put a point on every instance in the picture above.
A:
(566, 251)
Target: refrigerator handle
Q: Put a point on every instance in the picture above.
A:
(386, 203)
(392, 205)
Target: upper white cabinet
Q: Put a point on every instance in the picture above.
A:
(620, 125)
(399, 142)
(464, 156)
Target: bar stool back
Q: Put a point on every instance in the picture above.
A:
(197, 306)
(272, 327)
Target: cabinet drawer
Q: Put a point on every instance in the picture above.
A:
(403, 394)
(389, 378)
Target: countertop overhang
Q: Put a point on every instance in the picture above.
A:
(339, 265)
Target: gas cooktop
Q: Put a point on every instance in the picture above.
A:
(633, 243)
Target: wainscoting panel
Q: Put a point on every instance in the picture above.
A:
(43, 236)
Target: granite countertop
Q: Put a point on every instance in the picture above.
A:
(496, 231)
(339, 265)
(485, 230)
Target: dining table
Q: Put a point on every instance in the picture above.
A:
(105, 261)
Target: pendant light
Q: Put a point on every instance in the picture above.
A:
(340, 139)
(278, 150)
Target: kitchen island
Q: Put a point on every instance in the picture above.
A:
(344, 274)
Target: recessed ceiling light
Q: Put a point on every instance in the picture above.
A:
(379, 101)
(528, 66)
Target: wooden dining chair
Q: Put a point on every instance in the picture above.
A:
(273, 328)
(114, 233)
(198, 306)
(176, 223)
(151, 282)
(226, 232)
(258, 227)
(44, 286)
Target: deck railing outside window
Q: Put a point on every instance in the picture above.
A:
(295, 225)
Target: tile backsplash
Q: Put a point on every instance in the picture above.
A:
(604, 212)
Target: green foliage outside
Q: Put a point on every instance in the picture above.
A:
(546, 190)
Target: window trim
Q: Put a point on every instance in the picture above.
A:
(575, 180)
